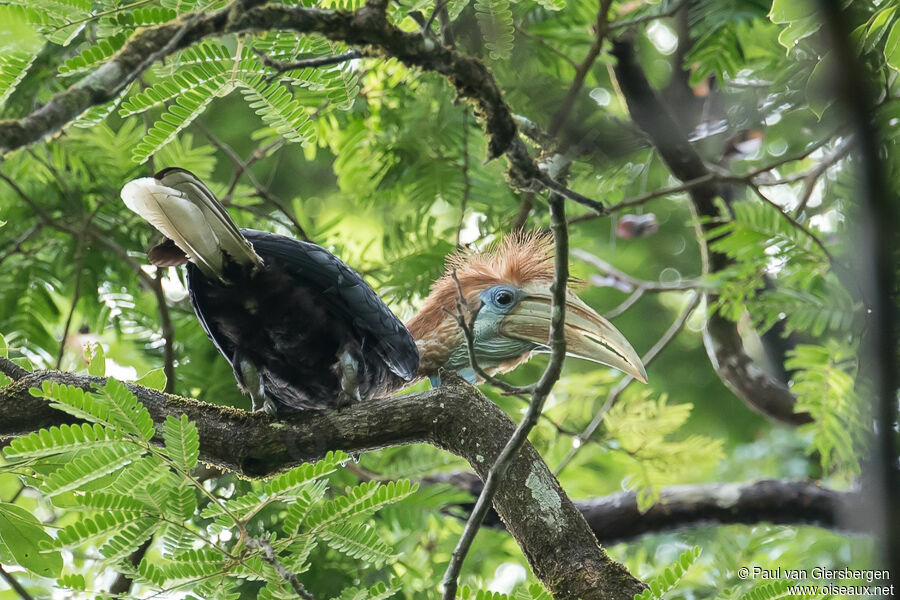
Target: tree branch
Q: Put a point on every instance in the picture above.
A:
(539, 396)
(554, 537)
(877, 239)
(616, 518)
(749, 382)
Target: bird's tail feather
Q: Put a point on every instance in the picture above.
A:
(183, 209)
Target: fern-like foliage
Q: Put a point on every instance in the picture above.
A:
(642, 427)
(182, 442)
(825, 388)
(125, 491)
(65, 438)
(278, 109)
(496, 22)
(660, 585)
(13, 68)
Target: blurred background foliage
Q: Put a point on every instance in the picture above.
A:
(383, 166)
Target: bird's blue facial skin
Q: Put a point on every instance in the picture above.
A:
(491, 347)
(499, 300)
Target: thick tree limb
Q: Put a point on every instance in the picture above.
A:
(554, 537)
(877, 239)
(616, 518)
(366, 28)
(749, 382)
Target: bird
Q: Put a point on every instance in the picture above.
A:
(299, 327)
(302, 330)
(505, 293)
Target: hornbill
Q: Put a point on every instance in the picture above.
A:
(301, 328)
(508, 290)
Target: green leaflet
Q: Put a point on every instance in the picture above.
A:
(22, 536)
(13, 68)
(280, 110)
(155, 379)
(126, 412)
(88, 466)
(496, 22)
(297, 477)
(358, 541)
(669, 578)
(361, 499)
(65, 438)
(182, 442)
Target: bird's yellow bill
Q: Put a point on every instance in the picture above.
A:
(588, 335)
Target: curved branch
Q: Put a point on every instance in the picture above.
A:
(554, 537)
(616, 518)
(749, 382)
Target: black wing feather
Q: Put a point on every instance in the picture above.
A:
(353, 298)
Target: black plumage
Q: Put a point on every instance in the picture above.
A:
(299, 327)
(293, 316)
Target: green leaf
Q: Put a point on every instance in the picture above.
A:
(289, 482)
(182, 442)
(74, 401)
(820, 86)
(188, 106)
(496, 22)
(23, 535)
(154, 379)
(88, 466)
(892, 47)
(360, 542)
(96, 359)
(279, 109)
(126, 412)
(786, 11)
(99, 526)
(13, 68)
(65, 438)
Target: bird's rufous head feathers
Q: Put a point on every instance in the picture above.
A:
(508, 290)
(518, 259)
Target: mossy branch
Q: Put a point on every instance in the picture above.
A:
(551, 531)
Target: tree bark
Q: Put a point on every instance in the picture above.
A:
(456, 417)
(748, 381)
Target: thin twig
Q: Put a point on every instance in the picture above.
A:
(799, 227)
(467, 182)
(467, 327)
(17, 245)
(76, 295)
(268, 555)
(15, 584)
(633, 282)
(720, 175)
(242, 167)
(309, 63)
(547, 45)
(673, 8)
(538, 398)
(614, 394)
(626, 304)
(438, 6)
(601, 27)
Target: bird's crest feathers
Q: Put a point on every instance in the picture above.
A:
(518, 259)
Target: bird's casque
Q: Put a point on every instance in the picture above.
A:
(508, 289)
